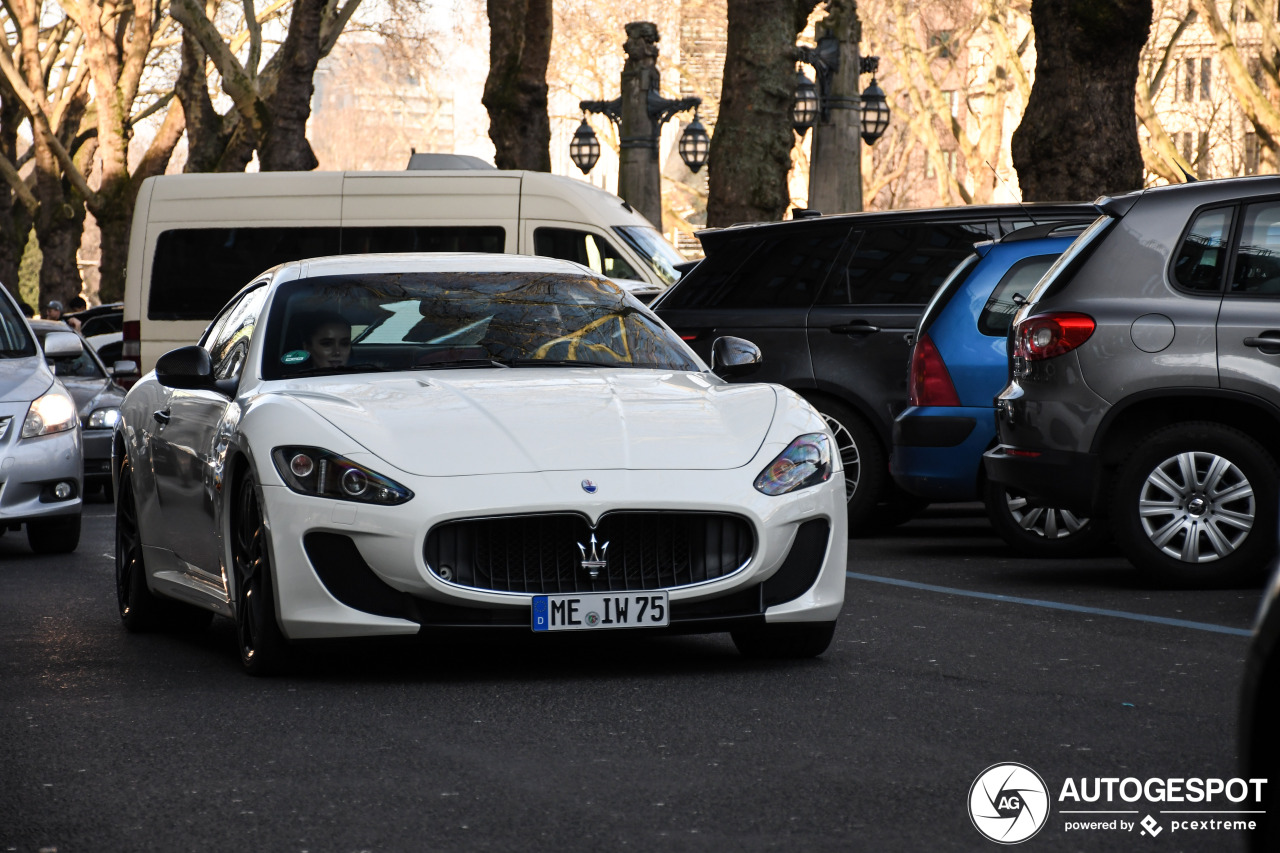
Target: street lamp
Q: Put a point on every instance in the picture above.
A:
(584, 148)
(640, 112)
(695, 144)
(805, 112)
(875, 107)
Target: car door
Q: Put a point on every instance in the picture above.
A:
(185, 441)
(860, 328)
(1248, 329)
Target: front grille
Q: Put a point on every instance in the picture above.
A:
(540, 554)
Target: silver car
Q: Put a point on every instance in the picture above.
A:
(97, 397)
(40, 446)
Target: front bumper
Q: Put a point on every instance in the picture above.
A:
(937, 451)
(1056, 478)
(30, 467)
(97, 455)
(345, 570)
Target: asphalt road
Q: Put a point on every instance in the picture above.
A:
(113, 742)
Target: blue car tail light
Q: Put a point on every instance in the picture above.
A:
(930, 383)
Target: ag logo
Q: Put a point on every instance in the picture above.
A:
(1008, 803)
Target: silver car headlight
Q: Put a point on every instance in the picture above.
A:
(322, 474)
(105, 418)
(806, 462)
(53, 412)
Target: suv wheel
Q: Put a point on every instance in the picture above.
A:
(1195, 505)
(866, 473)
(1039, 531)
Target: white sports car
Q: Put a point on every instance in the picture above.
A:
(391, 444)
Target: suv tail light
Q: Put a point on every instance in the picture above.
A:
(1051, 335)
(930, 383)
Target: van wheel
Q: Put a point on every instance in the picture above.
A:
(866, 468)
(1195, 505)
(1040, 531)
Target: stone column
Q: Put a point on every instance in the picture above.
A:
(639, 178)
(835, 160)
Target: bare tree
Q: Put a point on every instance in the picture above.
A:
(46, 73)
(17, 203)
(271, 104)
(1078, 135)
(515, 93)
(751, 149)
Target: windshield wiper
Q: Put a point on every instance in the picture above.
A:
(346, 368)
(456, 363)
(551, 362)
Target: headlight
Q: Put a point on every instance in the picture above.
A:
(104, 418)
(54, 412)
(321, 474)
(806, 462)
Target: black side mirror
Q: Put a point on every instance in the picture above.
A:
(186, 367)
(734, 357)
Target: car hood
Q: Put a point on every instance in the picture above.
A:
(93, 394)
(23, 379)
(546, 419)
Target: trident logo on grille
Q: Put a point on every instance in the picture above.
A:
(596, 561)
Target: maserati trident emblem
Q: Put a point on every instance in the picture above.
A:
(596, 560)
(589, 487)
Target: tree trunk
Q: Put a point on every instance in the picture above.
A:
(285, 147)
(15, 218)
(1079, 135)
(515, 93)
(751, 149)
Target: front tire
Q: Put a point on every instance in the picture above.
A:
(60, 535)
(1040, 531)
(784, 640)
(1195, 505)
(263, 647)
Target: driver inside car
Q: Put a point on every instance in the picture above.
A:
(326, 336)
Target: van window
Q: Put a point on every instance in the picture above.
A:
(903, 265)
(590, 250)
(415, 238)
(197, 270)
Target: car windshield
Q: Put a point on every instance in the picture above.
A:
(82, 366)
(654, 248)
(432, 320)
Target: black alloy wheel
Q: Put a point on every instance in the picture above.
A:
(866, 470)
(263, 647)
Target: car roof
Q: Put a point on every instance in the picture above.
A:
(478, 262)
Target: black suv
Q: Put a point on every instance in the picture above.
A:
(833, 301)
(1145, 380)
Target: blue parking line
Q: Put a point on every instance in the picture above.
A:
(1055, 605)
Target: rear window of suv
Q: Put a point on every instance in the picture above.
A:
(997, 314)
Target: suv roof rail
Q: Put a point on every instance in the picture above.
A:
(1047, 229)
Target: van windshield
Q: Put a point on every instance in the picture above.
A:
(443, 320)
(654, 248)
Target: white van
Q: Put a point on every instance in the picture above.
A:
(198, 238)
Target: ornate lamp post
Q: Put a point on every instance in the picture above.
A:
(640, 111)
(841, 115)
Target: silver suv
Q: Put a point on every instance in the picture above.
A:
(1145, 380)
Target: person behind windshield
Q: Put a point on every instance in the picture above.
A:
(326, 336)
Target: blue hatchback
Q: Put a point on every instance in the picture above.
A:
(958, 366)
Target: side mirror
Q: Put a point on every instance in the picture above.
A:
(186, 367)
(62, 345)
(124, 368)
(734, 357)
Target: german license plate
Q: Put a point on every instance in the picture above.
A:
(586, 611)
